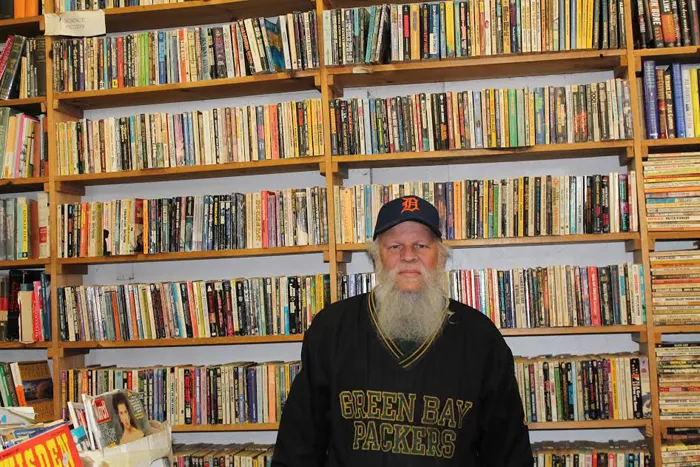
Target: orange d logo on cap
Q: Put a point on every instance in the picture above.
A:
(410, 204)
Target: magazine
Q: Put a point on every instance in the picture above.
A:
(116, 418)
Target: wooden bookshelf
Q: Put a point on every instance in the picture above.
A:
(32, 105)
(195, 12)
(29, 27)
(22, 185)
(24, 264)
(194, 255)
(548, 151)
(271, 83)
(590, 425)
(494, 66)
(184, 342)
(329, 82)
(517, 241)
(577, 330)
(222, 428)
(294, 164)
(665, 424)
(674, 144)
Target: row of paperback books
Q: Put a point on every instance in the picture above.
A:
(233, 393)
(258, 306)
(619, 454)
(248, 454)
(680, 453)
(552, 296)
(22, 66)
(468, 28)
(62, 6)
(25, 306)
(24, 227)
(671, 100)
(23, 145)
(671, 186)
(675, 282)
(678, 366)
(600, 387)
(267, 219)
(243, 48)
(513, 207)
(217, 136)
(666, 23)
(491, 118)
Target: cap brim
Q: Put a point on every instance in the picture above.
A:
(377, 233)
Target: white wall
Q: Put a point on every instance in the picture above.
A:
(506, 257)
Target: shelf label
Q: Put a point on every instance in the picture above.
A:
(76, 24)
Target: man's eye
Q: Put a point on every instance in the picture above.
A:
(394, 247)
(421, 246)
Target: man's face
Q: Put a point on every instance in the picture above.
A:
(406, 249)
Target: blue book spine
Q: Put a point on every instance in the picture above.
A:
(370, 28)
(651, 108)
(518, 26)
(677, 81)
(434, 31)
(259, 118)
(539, 116)
(442, 28)
(373, 127)
(252, 390)
(368, 211)
(161, 58)
(573, 25)
(562, 25)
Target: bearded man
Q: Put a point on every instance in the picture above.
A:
(404, 376)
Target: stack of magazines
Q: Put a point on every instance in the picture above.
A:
(114, 426)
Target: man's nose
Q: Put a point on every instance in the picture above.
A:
(408, 254)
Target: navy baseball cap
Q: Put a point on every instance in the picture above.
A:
(407, 208)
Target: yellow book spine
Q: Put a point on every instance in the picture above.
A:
(450, 27)
(492, 117)
(415, 31)
(589, 30)
(521, 206)
(485, 209)
(613, 379)
(696, 101)
(505, 122)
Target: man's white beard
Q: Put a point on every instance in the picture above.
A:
(413, 316)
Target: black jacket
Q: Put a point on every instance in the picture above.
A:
(358, 401)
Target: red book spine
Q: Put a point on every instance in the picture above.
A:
(594, 295)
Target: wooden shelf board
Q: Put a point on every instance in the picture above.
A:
(674, 235)
(32, 105)
(234, 340)
(517, 241)
(195, 172)
(471, 155)
(28, 27)
(22, 185)
(24, 263)
(582, 330)
(234, 427)
(690, 50)
(674, 144)
(590, 425)
(680, 424)
(19, 345)
(194, 255)
(678, 329)
(530, 64)
(194, 91)
(197, 12)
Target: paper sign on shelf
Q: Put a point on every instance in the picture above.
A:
(76, 24)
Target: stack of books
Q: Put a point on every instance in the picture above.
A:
(468, 28)
(511, 207)
(678, 365)
(234, 393)
(672, 191)
(680, 453)
(259, 306)
(243, 48)
(24, 227)
(600, 387)
(675, 282)
(620, 453)
(216, 136)
(22, 67)
(491, 118)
